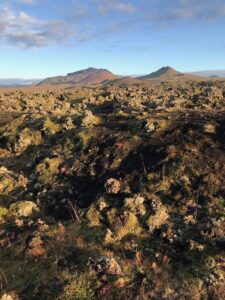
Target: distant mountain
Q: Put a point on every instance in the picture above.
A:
(210, 73)
(169, 74)
(88, 76)
(18, 82)
(93, 76)
(163, 72)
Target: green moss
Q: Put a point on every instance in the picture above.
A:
(80, 287)
(131, 226)
(30, 137)
(93, 216)
(158, 219)
(3, 212)
(85, 137)
(51, 126)
(7, 184)
(217, 208)
(48, 168)
(22, 209)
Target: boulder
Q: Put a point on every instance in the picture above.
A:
(88, 119)
(9, 296)
(112, 186)
(18, 142)
(105, 265)
(209, 128)
(135, 204)
(22, 209)
(159, 217)
(149, 126)
(9, 181)
(68, 124)
(93, 216)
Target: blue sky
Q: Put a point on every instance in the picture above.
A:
(40, 38)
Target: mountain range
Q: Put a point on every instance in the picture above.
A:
(210, 73)
(18, 82)
(93, 76)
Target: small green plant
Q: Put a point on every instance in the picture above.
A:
(80, 287)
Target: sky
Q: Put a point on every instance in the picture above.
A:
(43, 38)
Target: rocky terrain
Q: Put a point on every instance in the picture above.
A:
(113, 192)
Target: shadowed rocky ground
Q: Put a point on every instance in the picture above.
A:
(115, 192)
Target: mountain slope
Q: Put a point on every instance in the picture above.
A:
(124, 81)
(84, 77)
(163, 72)
(169, 74)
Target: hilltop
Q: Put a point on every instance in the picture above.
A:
(169, 74)
(162, 72)
(90, 76)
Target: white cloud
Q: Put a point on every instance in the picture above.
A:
(28, 2)
(23, 30)
(107, 6)
(80, 9)
(192, 9)
(82, 21)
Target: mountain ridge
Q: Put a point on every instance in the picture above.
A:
(87, 76)
(93, 76)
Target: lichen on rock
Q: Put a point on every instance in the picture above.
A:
(22, 209)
